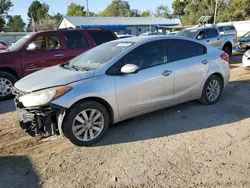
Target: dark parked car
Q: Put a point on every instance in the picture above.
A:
(243, 43)
(36, 51)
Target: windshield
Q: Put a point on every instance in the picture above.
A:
(246, 35)
(98, 56)
(187, 33)
(20, 42)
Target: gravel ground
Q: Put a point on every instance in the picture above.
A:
(189, 145)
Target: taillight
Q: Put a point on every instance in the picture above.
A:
(225, 57)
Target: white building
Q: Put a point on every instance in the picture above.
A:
(120, 25)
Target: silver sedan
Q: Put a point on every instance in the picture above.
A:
(119, 80)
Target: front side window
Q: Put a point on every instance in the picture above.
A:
(192, 49)
(212, 33)
(47, 43)
(75, 40)
(145, 56)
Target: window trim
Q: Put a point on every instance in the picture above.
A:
(196, 43)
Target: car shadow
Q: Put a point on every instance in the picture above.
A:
(192, 116)
(7, 106)
(18, 172)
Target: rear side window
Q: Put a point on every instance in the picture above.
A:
(75, 40)
(192, 49)
(211, 33)
(101, 37)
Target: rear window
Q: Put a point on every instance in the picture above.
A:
(211, 33)
(75, 40)
(192, 49)
(101, 37)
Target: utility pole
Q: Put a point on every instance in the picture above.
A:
(87, 6)
(215, 12)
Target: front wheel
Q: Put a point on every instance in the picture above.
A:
(7, 82)
(86, 123)
(212, 90)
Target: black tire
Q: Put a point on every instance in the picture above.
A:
(204, 98)
(228, 49)
(74, 111)
(12, 79)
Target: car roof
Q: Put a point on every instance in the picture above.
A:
(71, 29)
(144, 39)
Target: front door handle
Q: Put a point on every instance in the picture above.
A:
(59, 55)
(167, 73)
(204, 62)
(208, 40)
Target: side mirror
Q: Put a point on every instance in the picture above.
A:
(129, 69)
(32, 47)
(200, 37)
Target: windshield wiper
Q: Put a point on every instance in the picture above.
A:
(77, 68)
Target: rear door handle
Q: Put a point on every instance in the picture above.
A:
(167, 73)
(59, 55)
(208, 40)
(204, 62)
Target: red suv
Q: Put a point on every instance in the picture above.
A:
(39, 50)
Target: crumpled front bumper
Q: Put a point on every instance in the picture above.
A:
(42, 120)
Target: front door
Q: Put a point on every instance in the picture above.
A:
(48, 53)
(191, 66)
(151, 87)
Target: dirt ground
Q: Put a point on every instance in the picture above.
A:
(189, 145)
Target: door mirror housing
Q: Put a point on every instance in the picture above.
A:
(129, 69)
(200, 37)
(32, 47)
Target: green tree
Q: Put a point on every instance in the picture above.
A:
(135, 13)
(238, 10)
(5, 6)
(15, 24)
(178, 7)
(57, 17)
(117, 8)
(163, 11)
(75, 10)
(195, 9)
(38, 10)
(146, 13)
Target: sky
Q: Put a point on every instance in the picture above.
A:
(21, 6)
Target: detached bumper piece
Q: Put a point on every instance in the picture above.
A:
(40, 121)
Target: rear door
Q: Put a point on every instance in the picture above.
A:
(190, 65)
(45, 55)
(213, 38)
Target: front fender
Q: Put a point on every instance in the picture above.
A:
(102, 87)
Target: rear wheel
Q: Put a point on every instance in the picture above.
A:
(86, 123)
(228, 49)
(212, 90)
(7, 82)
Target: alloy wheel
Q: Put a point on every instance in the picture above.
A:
(88, 125)
(213, 90)
(5, 87)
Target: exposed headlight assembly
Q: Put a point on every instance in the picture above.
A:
(43, 97)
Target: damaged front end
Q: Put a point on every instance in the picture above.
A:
(42, 121)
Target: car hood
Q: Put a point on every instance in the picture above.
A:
(51, 77)
(244, 39)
